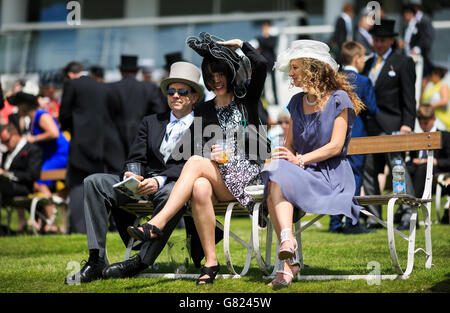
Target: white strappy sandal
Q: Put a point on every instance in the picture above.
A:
(294, 261)
(287, 253)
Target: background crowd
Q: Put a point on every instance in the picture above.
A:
(82, 123)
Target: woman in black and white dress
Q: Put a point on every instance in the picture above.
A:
(203, 180)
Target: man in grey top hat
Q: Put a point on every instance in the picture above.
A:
(152, 148)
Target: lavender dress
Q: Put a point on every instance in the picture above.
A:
(326, 187)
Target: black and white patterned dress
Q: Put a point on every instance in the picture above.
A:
(239, 172)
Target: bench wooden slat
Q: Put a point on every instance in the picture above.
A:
(59, 174)
(395, 143)
(384, 199)
(145, 208)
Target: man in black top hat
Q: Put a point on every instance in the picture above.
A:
(172, 58)
(129, 100)
(83, 113)
(393, 76)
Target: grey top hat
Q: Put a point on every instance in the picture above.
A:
(184, 72)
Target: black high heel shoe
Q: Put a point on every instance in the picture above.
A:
(146, 233)
(211, 271)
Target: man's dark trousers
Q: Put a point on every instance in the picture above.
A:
(101, 198)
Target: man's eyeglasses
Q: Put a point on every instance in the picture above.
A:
(181, 92)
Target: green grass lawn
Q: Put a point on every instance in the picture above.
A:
(39, 264)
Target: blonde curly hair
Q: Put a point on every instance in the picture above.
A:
(319, 79)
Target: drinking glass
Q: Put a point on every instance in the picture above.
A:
(275, 144)
(224, 155)
(135, 168)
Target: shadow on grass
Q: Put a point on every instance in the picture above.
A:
(443, 286)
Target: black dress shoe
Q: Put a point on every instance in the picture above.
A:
(444, 219)
(90, 271)
(358, 229)
(128, 268)
(339, 230)
(373, 226)
(403, 226)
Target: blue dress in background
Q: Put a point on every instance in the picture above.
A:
(55, 152)
(325, 187)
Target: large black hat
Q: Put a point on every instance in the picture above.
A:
(23, 98)
(384, 29)
(207, 45)
(129, 63)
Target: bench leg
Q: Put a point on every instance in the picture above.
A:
(411, 242)
(33, 208)
(391, 239)
(131, 241)
(411, 239)
(426, 209)
(264, 263)
(226, 243)
(298, 237)
(438, 201)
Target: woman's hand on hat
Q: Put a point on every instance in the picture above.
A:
(233, 43)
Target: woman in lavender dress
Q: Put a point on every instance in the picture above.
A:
(311, 173)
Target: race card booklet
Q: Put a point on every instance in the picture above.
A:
(128, 187)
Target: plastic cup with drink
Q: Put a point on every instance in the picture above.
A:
(225, 147)
(275, 144)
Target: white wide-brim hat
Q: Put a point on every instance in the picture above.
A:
(187, 73)
(305, 49)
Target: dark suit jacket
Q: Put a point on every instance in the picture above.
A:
(423, 39)
(358, 37)
(340, 32)
(145, 150)
(442, 155)
(365, 92)
(128, 102)
(82, 113)
(395, 94)
(26, 166)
